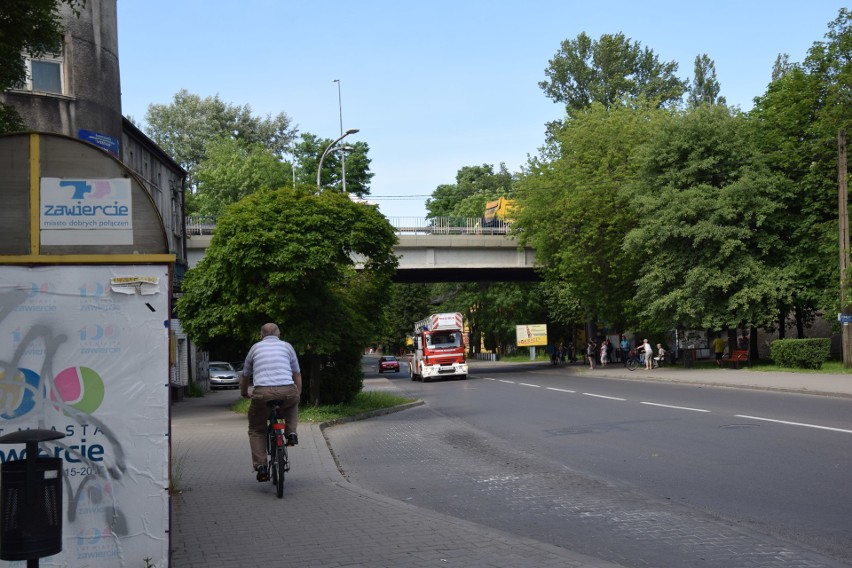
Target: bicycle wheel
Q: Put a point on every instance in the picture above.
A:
(279, 467)
(631, 364)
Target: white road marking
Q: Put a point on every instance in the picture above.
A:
(675, 407)
(787, 422)
(602, 396)
(795, 423)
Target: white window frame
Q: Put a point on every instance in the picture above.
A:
(57, 59)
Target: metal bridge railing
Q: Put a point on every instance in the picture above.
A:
(205, 225)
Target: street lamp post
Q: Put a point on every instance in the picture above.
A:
(325, 153)
(342, 156)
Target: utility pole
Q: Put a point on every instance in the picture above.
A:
(842, 196)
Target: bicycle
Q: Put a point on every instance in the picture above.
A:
(633, 361)
(276, 447)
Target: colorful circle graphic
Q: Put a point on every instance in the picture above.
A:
(17, 394)
(80, 387)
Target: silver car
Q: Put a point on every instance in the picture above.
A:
(223, 375)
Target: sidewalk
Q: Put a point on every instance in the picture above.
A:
(222, 517)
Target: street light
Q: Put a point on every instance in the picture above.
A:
(326, 151)
(342, 156)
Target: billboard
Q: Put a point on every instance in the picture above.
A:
(84, 351)
(85, 211)
(531, 335)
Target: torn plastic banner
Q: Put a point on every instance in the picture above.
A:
(142, 285)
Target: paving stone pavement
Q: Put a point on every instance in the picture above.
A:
(222, 517)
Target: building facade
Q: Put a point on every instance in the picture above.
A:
(77, 93)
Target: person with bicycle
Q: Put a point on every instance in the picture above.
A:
(649, 353)
(273, 367)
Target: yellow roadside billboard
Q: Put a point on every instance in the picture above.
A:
(531, 334)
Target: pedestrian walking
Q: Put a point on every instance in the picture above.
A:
(719, 348)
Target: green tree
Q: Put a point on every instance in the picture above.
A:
(27, 26)
(185, 127)
(575, 211)
(231, 170)
(307, 152)
(705, 87)
(781, 66)
(286, 256)
(608, 70)
(709, 226)
(475, 185)
(797, 121)
(407, 304)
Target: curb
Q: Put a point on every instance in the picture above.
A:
(354, 418)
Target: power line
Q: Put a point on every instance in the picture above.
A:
(396, 197)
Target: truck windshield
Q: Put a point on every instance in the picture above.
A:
(444, 340)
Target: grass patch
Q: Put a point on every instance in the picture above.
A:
(178, 466)
(194, 390)
(520, 357)
(363, 402)
(828, 368)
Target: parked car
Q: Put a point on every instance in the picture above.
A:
(223, 375)
(388, 363)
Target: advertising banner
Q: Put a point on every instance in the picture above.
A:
(84, 352)
(531, 335)
(86, 211)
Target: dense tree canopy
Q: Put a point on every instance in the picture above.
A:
(286, 256)
(608, 70)
(185, 127)
(575, 211)
(708, 229)
(705, 87)
(475, 185)
(796, 125)
(307, 152)
(231, 170)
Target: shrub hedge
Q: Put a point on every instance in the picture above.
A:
(800, 353)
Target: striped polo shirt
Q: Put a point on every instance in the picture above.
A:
(271, 362)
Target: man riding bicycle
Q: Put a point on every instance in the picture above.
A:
(273, 367)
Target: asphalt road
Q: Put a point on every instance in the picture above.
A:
(643, 474)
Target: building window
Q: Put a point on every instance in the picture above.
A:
(44, 74)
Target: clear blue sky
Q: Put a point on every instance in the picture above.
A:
(432, 86)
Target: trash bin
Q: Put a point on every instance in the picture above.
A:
(31, 508)
(31, 500)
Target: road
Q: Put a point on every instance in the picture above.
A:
(639, 473)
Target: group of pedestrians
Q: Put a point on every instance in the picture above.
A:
(594, 353)
(562, 353)
(604, 353)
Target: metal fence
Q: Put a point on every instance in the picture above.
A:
(205, 225)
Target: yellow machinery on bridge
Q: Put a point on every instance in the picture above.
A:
(498, 211)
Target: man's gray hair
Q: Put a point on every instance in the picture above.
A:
(270, 329)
